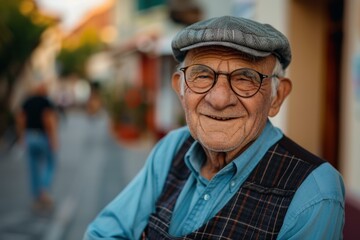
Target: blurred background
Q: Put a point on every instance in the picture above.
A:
(108, 66)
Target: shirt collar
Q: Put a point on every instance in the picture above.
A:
(245, 162)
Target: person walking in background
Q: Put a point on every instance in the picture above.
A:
(228, 174)
(37, 129)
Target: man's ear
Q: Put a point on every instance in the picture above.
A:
(282, 92)
(176, 84)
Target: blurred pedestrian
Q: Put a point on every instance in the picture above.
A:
(94, 103)
(37, 129)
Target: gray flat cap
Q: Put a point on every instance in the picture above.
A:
(242, 34)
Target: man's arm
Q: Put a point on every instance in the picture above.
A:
(317, 210)
(20, 118)
(323, 220)
(127, 215)
(51, 127)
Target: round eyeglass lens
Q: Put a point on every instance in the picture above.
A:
(245, 82)
(199, 78)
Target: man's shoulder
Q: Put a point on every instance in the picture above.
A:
(295, 150)
(324, 181)
(324, 187)
(319, 200)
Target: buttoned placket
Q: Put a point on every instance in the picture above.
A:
(207, 199)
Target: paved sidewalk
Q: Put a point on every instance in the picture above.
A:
(92, 168)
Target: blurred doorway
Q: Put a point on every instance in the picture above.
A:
(316, 32)
(333, 60)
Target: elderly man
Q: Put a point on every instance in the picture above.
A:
(229, 174)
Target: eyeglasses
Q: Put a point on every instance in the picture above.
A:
(245, 82)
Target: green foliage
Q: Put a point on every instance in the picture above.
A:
(73, 56)
(20, 35)
(21, 28)
(72, 61)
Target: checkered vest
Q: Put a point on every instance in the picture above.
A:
(258, 208)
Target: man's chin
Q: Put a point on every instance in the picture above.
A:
(217, 144)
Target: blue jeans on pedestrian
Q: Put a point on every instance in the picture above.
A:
(41, 162)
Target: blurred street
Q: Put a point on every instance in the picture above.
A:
(92, 168)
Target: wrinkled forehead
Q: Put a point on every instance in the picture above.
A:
(221, 54)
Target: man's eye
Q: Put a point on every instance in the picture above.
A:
(238, 78)
(244, 76)
(203, 76)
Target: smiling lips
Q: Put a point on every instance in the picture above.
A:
(220, 118)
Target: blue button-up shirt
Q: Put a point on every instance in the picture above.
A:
(316, 211)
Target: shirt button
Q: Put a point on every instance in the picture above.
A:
(206, 197)
(232, 184)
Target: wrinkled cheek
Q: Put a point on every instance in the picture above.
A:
(191, 119)
(192, 122)
(189, 110)
(259, 122)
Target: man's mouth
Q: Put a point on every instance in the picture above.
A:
(220, 118)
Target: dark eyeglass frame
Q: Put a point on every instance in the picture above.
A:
(228, 76)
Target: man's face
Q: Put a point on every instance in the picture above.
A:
(221, 120)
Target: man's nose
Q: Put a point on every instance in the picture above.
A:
(221, 95)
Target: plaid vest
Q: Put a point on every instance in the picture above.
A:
(256, 211)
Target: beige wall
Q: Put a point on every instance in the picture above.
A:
(305, 105)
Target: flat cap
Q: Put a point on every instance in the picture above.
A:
(242, 34)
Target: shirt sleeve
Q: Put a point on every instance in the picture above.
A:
(127, 215)
(317, 210)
